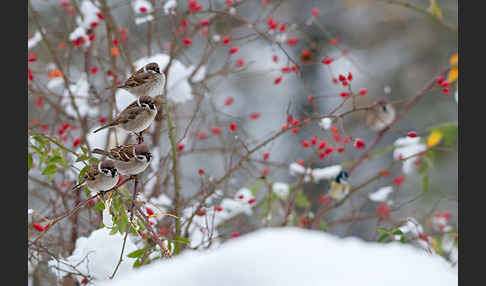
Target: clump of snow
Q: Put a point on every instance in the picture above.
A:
(139, 5)
(381, 194)
(90, 14)
(55, 82)
(169, 7)
(325, 123)
(319, 259)
(97, 256)
(317, 174)
(107, 218)
(80, 91)
(32, 42)
(80, 32)
(281, 189)
(143, 19)
(407, 147)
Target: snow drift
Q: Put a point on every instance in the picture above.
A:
(290, 256)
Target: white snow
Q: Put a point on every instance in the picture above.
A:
(325, 123)
(407, 147)
(98, 255)
(89, 11)
(381, 194)
(326, 173)
(456, 96)
(32, 42)
(290, 256)
(137, 4)
(169, 6)
(281, 189)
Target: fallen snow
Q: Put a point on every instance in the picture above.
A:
(32, 42)
(407, 147)
(381, 194)
(289, 256)
(98, 255)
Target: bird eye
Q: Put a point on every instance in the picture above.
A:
(105, 171)
(141, 158)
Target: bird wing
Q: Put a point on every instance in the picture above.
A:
(91, 174)
(129, 113)
(122, 153)
(138, 78)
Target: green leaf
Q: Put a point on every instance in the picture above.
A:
(137, 253)
(383, 230)
(403, 239)
(301, 200)
(83, 171)
(29, 162)
(137, 263)
(123, 221)
(425, 182)
(93, 160)
(85, 151)
(99, 206)
(181, 240)
(382, 237)
(54, 159)
(397, 232)
(49, 169)
(87, 191)
(82, 158)
(40, 140)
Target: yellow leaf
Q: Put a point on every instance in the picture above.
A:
(453, 59)
(434, 138)
(452, 76)
(434, 9)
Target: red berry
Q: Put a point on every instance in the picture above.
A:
(100, 16)
(300, 162)
(235, 234)
(315, 12)
(240, 63)
(204, 23)
(251, 201)
(274, 58)
(322, 155)
(295, 130)
(216, 130)
(219, 208)
(322, 144)
(94, 24)
(234, 50)
(328, 150)
(149, 211)
(350, 76)
(310, 98)
(305, 143)
(344, 94)
(359, 143)
(292, 41)
(32, 58)
(94, 70)
(397, 181)
(340, 149)
(296, 122)
(226, 40)
(91, 37)
(314, 140)
(44, 127)
(445, 83)
(412, 134)
(187, 41)
(282, 28)
(334, 41)
(70, 11)
(342, 77)
(383, 211)
(77, 142)
(115, 41)
(446, 90)
(266, 155)
(200, 213)
(265, 172)
(143, 9)
(102, 120)
(64, 4)
(384, 173)
(363, 91)
(38, 226)
(85, 281)
(284, 127)
(277, 80)
(39, 101)
(201, 172)
(202, 135)
(163, 231)
(254, 115)
(184, 23)
(440, 80)
(233, 127)
(327, 61)
(180, 147)
(228, 101)
(345, 83)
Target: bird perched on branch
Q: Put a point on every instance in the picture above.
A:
(147, 81)
(129, 159)
(101, 177)
(136, 117)
(380, 116)
(339, 187)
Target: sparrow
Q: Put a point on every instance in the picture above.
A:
(129, 159)
(101, 177)
(339, 187)
(136, 117)
(147, 81)
(380, 116)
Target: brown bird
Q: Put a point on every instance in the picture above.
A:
(147, 81)
(136, 117)
(101, 177)
(129, 159)
(380, 116)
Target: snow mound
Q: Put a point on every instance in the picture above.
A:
(297, 257)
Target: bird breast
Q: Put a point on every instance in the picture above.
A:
(131, 167)
(141, 122)
(103, 182)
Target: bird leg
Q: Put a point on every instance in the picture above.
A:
(139, 137)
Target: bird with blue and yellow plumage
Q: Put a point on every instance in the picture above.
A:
(339, 186)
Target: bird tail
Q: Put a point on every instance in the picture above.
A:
(78, 186)
(105, 126)
(101, 152)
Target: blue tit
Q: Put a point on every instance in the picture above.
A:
(339, 186)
